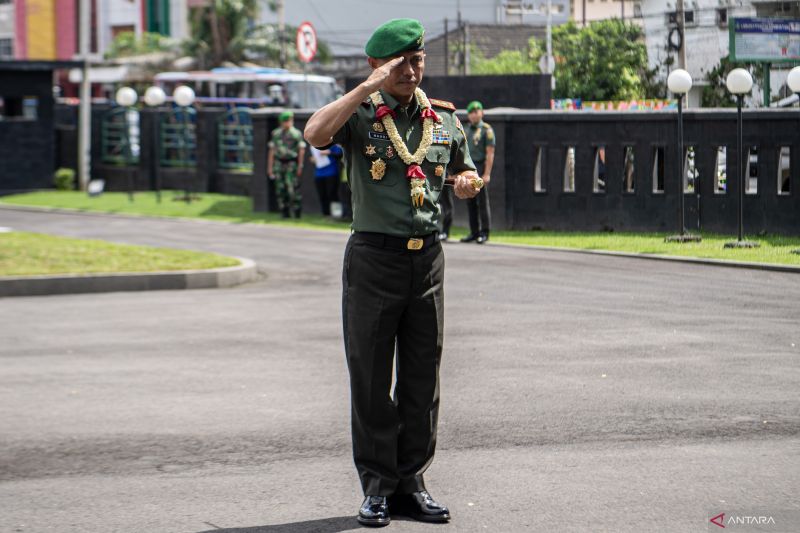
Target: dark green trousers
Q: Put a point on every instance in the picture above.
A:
(392, 302)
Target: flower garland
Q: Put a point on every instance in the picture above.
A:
(414, 173)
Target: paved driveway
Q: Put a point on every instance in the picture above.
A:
(579, 393)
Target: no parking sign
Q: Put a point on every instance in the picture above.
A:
(306, 42)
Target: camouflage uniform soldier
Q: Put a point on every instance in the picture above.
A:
(285, 164)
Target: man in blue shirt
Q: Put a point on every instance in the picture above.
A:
(326, 177)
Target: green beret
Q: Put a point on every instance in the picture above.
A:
(286, 115)
(473, 105)
(395, 36)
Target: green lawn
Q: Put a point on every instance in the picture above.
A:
(773, 249)
(29, 254)
(209, 206)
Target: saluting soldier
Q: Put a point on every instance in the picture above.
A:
(399, 146)
(480, 138)
(285, 164)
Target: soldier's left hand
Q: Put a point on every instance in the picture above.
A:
(463, 185)
(299, 171)
(486, 179)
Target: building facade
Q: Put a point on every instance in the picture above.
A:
(706, 37)
(48, 29)
(586, 11)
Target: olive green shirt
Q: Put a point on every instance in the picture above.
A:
(286, 143)
(382, 204)
(480, 136)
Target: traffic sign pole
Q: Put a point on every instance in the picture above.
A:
(306, 41)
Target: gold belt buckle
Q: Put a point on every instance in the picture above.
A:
(414, 244)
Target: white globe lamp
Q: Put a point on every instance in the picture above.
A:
(793, 81)
(154, 96)
(183, 95)
(739, 81)
(679, 81)
(126, 96)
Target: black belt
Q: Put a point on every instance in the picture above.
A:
(287, 160)
(382, 240)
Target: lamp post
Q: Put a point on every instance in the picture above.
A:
(793, 81)
(739, 83)
(126, 98)
(155, 97)
(679, 83)
(184, 97)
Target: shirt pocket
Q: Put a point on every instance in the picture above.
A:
(382, 172)
(435, 165)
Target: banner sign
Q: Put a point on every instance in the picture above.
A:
(576, 104)
(766, 40)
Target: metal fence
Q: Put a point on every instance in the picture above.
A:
(178, 146)
(235, 140)
(120, 136)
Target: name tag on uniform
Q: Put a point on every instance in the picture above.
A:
(378, 135)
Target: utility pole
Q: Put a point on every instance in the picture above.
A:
(281, 32)
(446, 49)
(623, 9)
(466, 48)
(549, 35)
(584, 13)
(85, 112)
(462, 45)
(681, 30)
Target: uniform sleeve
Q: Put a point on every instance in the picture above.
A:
(460, 159)
(344, 134)
(490, 141)
(271, 143)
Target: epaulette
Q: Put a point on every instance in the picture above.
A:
(442, 103)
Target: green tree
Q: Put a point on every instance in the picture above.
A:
(223, 31)
(607, 60)
(508, 61)
(126, 44)
(716, 93)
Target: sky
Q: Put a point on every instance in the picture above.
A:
(347, 24)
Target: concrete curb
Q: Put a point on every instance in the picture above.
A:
(657, 257)
(130, 281)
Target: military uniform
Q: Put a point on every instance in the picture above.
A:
(479, 137)
(392, 294)
(286, 145)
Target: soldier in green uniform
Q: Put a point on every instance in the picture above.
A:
(480, 137)
(399, 147)
(285, 164)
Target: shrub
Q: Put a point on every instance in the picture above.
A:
(64, 179)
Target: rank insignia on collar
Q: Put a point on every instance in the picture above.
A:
(439, 171)
(369, 150)
(377, 126)
(378, 169)
(390, 153)
(442, 103)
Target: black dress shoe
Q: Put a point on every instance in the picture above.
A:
(420, 506)
(374, 512)
(469, 238)
(482, 238)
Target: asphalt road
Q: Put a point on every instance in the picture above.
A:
(579, 393)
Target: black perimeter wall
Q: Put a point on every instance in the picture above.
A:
(27, 147)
